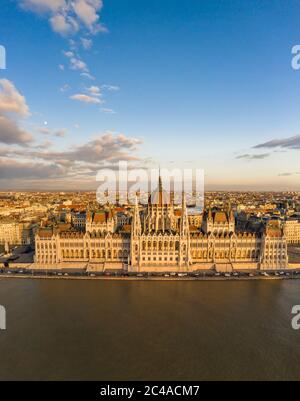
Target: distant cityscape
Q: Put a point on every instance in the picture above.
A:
(70, 231)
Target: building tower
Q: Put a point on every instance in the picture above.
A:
(135, 243)
(136, 221)
(159, 216)
(184, 223)
(184, 257)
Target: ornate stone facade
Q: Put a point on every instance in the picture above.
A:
(292, 231)
(161, 238)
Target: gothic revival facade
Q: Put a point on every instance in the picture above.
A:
(161, 238)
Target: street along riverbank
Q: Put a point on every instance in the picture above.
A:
(111, 277)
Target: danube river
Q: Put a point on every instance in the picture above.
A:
(113, 330)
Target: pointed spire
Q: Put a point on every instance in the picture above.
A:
(228, 208)
(160, 189)
(184, 257)
(136, 220)
(159, 180)
(184, 222)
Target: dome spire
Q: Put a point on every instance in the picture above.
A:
(160, 182)
(160, 189)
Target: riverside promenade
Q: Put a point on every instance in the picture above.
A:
(205, 277)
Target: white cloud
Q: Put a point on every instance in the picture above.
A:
(61, 133)
(86, 98)
(69, 16)
(99, 28)
(86, 11)
(11, 101)
(63, 24)
(11, 133)
(77, 64)
(103, 148)
(12, 169)
(65, 88)
(58, 133)
(112, 88)
(41, 6)
(93, 96)
(72, 44)
(107, 111)
(78, 163)
(12, 106)
(68, 54)
(87, 75)
(94, 90)
(86, 43)
(44, 145)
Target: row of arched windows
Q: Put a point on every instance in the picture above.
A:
(160, 245)
(94, 254)
(225, 254)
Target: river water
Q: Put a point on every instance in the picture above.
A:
(155, 330)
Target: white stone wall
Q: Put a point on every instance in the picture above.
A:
(85, 248)
(292, 231)
(11, 232)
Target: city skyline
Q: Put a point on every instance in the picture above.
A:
(99, 82)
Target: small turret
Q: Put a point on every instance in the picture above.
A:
(136, 220)
(184, 222)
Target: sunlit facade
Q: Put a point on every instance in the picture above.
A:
(161, 238)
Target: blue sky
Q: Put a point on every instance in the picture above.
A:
(195, 83)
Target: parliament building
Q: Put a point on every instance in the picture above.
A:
(160, 237)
